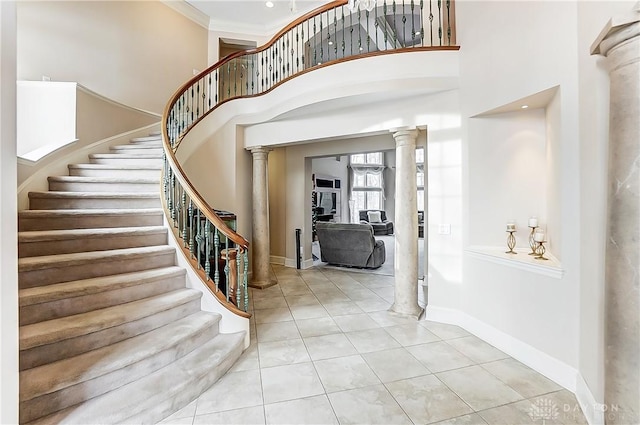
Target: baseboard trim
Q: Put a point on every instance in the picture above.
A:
(593, 411)
(541, 362)
(291, 262)
(277, 260)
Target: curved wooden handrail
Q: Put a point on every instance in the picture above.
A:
(179, 118)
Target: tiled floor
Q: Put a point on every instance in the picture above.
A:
(326, 351)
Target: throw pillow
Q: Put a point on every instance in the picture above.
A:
(374, 216)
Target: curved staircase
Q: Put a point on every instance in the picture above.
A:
(109, 332)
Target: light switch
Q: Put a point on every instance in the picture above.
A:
(444, 229)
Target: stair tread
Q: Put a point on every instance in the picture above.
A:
(147, 138)
(53, 235)
(137, 146)
(83, 179)
(148, 392)
(119, 195)
(63, 328)
(65, 260)
(114, 167)
(64, 373)
(89, 212)
(77, 288)
(124, 155)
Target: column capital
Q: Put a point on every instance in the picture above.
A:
(405, 137)
(260, 150)
(616, 31)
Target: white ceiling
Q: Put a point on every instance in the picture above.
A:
(252, 15)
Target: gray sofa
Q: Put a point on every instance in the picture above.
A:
(348, 244)
(384, 227)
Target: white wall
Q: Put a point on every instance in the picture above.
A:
(135, 52)
(8, 218)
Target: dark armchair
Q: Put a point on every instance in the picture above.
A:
(381, 226)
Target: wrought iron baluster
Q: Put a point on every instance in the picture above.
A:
(368, 33)
(199, 237)
(413, 26)
(216, 246)
(395, 29)
(321, 45)
(422, 23)
(226, 265)
(209, 97)
(245, 279)
(440, 21)
(360, 48)
(197, 99)
(237, 279)
(343, 43)
(335, 32)
(207, 249)
(448, 23)
(386, 24)
(351, 30)
(235, 77)
(192, 234)
(216, 78)
(376, 26)
(185, 213)
(404, 26)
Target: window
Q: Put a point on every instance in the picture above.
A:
(367, 180)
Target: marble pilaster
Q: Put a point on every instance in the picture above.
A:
(406, 227)
(620, 43)
(261, 251)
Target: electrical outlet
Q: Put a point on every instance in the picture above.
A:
(444, 229)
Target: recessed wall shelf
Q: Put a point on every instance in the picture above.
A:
(494, 254)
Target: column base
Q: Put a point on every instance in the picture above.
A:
(262, 284)
(407, 311)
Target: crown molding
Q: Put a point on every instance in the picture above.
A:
(189, 12)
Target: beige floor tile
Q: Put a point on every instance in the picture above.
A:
(355, 322)
(296, 300)
(363, 294)
(280, 353)
(317, 327)
(411, 334)
(268, 332)
(310, 410)
(270, 292)
(301, 312)
(372, 340)
(476, 349)
(521, 413)
(440, 356)
(386, 318)
(187, 412)
(472, 419)
(271, 302)
(370, 405)
(345, 373)
(371, 306)
(334, 296)
(177, 421)
(273, 315)
(478, 388)
(342, 308)
(290, 382)
(570, 411)
(233, 391)
(443, 330)
(246, 416)
(426, 399)
(298, 289)
(524, 380)
(329, 346)
(394, 365)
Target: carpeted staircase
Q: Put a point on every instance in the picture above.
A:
(109, 332)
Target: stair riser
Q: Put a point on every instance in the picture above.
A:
(92, 203)
(153, 143)
(155, 162)
(110, 172)
(50, 353)
(142, 150)
(96, 243)
(118, 187)
(86, 270)
(49, 403)
(69, 306)
(89, 222)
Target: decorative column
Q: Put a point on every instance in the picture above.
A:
(406, 226)
(620, 43)
(260, 244)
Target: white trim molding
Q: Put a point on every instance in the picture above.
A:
(189, 12)
(277, 260)
(552, 267)
(593, 411)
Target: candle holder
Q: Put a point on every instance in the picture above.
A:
(532, 242)
(540, 250)
(511, 242)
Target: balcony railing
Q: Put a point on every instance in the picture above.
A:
(330, 34)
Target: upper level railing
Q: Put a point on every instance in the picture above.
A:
(336, 32)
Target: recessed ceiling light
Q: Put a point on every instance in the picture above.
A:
(269, 4)
(524, 106)
(417, 32)
(361, 48)
(330, 43)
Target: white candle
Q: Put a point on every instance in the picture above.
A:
(538, 236)
(533, 222)
(511, 227)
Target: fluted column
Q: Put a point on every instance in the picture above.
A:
(620, 43)
(406, 226)
(260, 243)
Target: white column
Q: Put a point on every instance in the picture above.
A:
(8, 217)
(406, 226)
(620, 43)
(260, 244)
